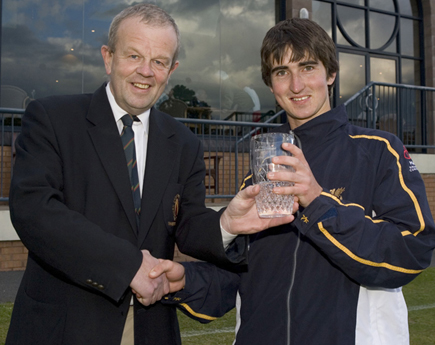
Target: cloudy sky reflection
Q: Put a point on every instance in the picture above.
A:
(53, 47)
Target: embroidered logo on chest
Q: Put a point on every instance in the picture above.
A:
(406, 155)
(338, 192)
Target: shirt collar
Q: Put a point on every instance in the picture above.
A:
(118, 112)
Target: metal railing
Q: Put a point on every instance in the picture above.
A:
(10, 128)
(400, 109)
(226, 150)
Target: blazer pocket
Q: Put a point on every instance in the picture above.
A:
(46, 321)
(171, 205)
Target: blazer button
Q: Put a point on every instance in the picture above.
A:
(101, 287)
(89, 281)
(95, 284)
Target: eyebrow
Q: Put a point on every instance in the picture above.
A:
(301, 64)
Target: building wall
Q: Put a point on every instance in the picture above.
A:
(429, 182)
(429, 55)
(294, 6)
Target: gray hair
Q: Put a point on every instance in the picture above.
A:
(151, 15)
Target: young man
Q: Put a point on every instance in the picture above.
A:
(363, 221)
(72, 202)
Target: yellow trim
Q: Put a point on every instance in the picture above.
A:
(402, 182)
(376, 220)
(244, 181)
(202, 316)
(339, 201)
(363, 261)
(356, 205)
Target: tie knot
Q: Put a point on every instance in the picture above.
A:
(128, 119)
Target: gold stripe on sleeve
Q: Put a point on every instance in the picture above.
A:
(402, 182)
(361, 260)
(201, 316)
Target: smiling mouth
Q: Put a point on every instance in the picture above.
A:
(298, 99)
(141, 86)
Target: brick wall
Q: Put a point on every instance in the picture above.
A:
(13, 256)
(429, 182)
(226, 173)
(5, 170)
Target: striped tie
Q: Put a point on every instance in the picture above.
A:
(127, 137)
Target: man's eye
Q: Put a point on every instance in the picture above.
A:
(134, 57)
(281, 73)
(309, 68)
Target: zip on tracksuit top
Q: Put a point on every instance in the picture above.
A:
(303, 278)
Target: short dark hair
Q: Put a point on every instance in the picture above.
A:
(149, 14)
(305, 38)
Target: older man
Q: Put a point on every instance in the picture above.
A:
(103, 185)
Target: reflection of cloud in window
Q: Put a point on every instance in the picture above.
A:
(236, 50)
(38, 36)
(381, 29)
(204, 22)
(351, 65)
(353, 23)
(382, 70)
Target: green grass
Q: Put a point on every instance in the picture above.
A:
(5, 316)
(419, 293)
(218, 332)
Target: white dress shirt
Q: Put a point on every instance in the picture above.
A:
(140, 129)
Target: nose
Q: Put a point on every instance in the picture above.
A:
(145, 69)
(297, 83)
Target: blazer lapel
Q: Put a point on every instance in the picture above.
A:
(107, 142)
(161, 154)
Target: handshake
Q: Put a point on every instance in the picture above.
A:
(156, 278)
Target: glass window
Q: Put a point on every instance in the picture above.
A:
(322, 15)
(367, 28)
(405, 7)
(53, 47)
(386, 5)
(410, 72)
(351, 76)
(392, 48)
(355, 2)
(353, 23)
(381, 29)
(409, 37)
(383, 70)
(341, 40)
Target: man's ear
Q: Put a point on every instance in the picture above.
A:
(331, 79)
(107, 57)
(176, 64)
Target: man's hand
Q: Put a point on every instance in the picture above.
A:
(148, 291)
(241, 215)
(174, 272)
(305, 187)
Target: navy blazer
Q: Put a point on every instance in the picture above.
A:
(72, 207)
